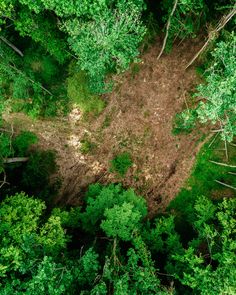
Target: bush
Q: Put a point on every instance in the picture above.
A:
(23, 141)
(87, 146)
(121, 163)
(184, 122)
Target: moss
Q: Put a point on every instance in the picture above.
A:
(79, 94)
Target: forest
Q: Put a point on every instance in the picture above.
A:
(117, 147)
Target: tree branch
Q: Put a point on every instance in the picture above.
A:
(167, 29)
(212, 34)
(224, 184)
(32, 81)
(12, 46)
(4, 179)
(222, 164)
(15, 160)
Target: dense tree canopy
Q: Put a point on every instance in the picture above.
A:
(59, 54)
(36, 251)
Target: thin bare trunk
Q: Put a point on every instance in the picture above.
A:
(167, 29)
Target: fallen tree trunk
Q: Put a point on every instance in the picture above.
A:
(15, 160)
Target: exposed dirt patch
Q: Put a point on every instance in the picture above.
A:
(138, 119)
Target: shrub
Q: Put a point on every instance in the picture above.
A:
(121, 163)
(23, 141)
(184, 122)
(87, 146)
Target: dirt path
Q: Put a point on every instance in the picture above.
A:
(138, 119)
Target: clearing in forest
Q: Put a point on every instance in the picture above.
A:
(138, 119)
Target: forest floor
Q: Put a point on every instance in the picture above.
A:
(138, 119)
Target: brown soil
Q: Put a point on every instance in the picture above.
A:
(139, 120)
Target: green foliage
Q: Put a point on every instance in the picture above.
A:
(32, 175)
(184, 122)
(33, 257)
(20, 230)
(121, 221)
(217, 231)
(187, 19)
(219, 91)
(128, 260)
(121, 163)
(23, 141)
(101, 199)
(103, 35)
(87, 146)
(15, 146)
(26, 81)
(106, 43)
(69, 219)
(109, 245)
(41, 28)
(163, 237)
(5, 145)
(202, 179)
(79, 94)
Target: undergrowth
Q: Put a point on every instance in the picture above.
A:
(204, 176)
(79, 94)
(121, 163)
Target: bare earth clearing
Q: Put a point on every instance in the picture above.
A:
(138, 119)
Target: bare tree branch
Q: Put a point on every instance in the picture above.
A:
(167, 29)
(212, 34)
(15, 160)
(225, 184)
(12, 46)
(222, 164)
(4, 179)
(32, 81)
(232, 173)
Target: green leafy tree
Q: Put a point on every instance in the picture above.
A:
(101, 199)
(219, 91)
(211, 271)
(121, 221)
(33, 251)
(107, 43)
(103, 35)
